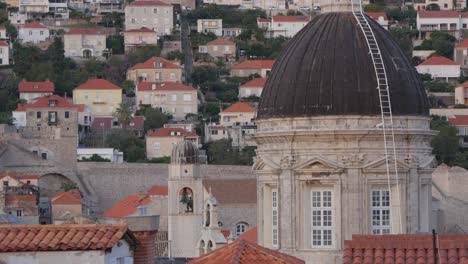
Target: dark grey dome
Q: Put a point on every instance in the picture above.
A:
(184, 152)
(326, 69)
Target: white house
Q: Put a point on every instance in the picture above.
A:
(113, 155)
(461, 94)
(448, 21)
(252, 88)
(237, 113)
(31, 90)
(379, 17)
(440, 68)
(287, 26)
(210, 25)
(33, 32)
(4, 53)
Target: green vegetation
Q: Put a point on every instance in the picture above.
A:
(115, 44)
(442, 42)
(232, 16)
(132, 147)
(445, 144)
(94, 158)
(221, 152)
(123, 114)
(154, 118)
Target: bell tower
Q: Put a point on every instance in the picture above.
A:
(185, 202)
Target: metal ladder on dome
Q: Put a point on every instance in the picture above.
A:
(384, 98)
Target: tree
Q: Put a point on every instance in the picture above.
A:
(175, 55)
(445, 144)
(202, 74)
(221, 152)
(94, 158)
(403, 36)
(115, 43)
(154, 118)
(142, 54)
(124, 114)
(128, 87)
(125, 141)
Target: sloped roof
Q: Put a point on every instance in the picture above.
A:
(128, 206)
(290, 19)
(166, 132)
(459, 120)
(20, 176)
(43, 102)
(376, 15)
(463, 44)
(245, 252)
(16, 238)
(143, 29)
(98, 84)
(257, 82)
(35, 24)
(158, 190)
(85, 31)
(255, 64)
(438, 60)
(68, 197)
(163, 86)
(148, 3)
(149, 64)
(240, 107)
(262, 20)
(439, 14)
(411, 248)
(3, 43)
(250, 235)
(220, 41)
(35, 87)
(233, 191)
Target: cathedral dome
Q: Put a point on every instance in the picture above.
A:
(184, 152)
(326, 69)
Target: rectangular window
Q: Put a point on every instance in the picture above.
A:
(174, 97)
(380, 212)
(322, 218)
(67, 114)
(38, 115)
(157, 145)
(143, 211)
(19, 213)
(44, 155)
(274, 217)
(187, 97)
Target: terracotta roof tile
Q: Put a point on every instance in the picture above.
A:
(240, 107)
(166, 132)
(262, 20)
(3, 43)
(439, 14)
(158, 190)
(35, 25)
(459, 120)
(233, 191)
(20, 176)
(404, 249)
(221, 41)
(141, 30)
(148, 3)
(35, 87)
(250, 235)
(255, 64)
(286, 19)
(376, 15)
(69, 197)
(463, 44)
(150, 64)
(245, 252)
(62, 237)
(85, 31)
(126, 207)
(438, 60)
(98, 84)
(43, 102)
(257, 82)
(163, 86)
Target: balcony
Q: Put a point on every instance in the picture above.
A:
(429, 28)
(98, 101)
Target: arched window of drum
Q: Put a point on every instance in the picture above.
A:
(241, 228)
(201, 249)
(207, 215)
(210, 246)
(186, 200)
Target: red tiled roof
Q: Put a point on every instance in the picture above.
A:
(250, 235)
(43, 102)
(245, 252)
(257, 82)
(11, 199)
(405, 249)
(138, 123)
(240, 107)
(35, 25)
(439, 14)
(149, 64)
(238, 191)
(85, 31)
(226, 233)
(35, 87)
(463, 44)
(19, 176)
(376, 15)
(438, 60)
(16, 238)
(166, 132)
(163, 86)
(158, 190)
(286, 19)
(459, 120)
(69, 197)
(128, 206)
(143, 29)
(220, 41)
(98, 84)
(148, 3)
(262, 20)
(255, 64)
(3, 43)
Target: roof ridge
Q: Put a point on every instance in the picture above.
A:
(238, 253)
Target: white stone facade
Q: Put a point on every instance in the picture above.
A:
(214, 26)
(342, 160)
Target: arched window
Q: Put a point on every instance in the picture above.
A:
(210, 246)
(186, 200)
(241, 228)
(208, 216)
(201, 249)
